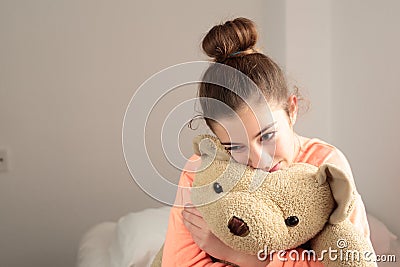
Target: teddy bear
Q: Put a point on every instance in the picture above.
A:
(264, 214)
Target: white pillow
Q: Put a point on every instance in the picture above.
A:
(94, 246)
(138, 238)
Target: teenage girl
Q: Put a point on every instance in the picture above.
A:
(265, 142)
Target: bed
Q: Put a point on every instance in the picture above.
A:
(135, 238)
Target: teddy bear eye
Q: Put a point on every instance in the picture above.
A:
(292, 221)
(217, 188)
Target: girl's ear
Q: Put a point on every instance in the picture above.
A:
(293, 109)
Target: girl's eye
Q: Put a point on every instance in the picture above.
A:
(233, 148)
(268, 136)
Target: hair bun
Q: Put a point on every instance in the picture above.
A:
(229, 38)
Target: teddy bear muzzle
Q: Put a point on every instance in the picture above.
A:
(238, 227)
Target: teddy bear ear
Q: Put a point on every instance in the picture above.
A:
(208, 145)
(341, 188)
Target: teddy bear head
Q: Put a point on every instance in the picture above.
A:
(250, 209)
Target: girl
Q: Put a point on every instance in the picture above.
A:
(252, 138)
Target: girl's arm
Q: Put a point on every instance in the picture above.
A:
(213, 246)
(358, 216)
(179, 247)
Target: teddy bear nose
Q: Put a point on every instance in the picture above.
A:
(238, 227)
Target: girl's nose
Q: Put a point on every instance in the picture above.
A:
(258, 158)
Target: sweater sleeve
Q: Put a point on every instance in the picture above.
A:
(179, 248)
(359, 215)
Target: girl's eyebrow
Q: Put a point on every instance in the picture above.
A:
(228, 143)
(263, 130)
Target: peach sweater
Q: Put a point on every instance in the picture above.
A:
(181, 251)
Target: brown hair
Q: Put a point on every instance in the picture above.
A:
(233, 44)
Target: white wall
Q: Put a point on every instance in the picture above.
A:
(68, 71)
(345, 55)
(365, 95)
(308, 62)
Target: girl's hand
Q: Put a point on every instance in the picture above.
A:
(212, 245)
(202, 234)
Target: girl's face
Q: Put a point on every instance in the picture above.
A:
(260, 140)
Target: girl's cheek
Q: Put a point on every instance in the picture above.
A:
(281, 149)
(275, 147)
(240, 157)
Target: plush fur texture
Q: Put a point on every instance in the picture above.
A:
(250, 209)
